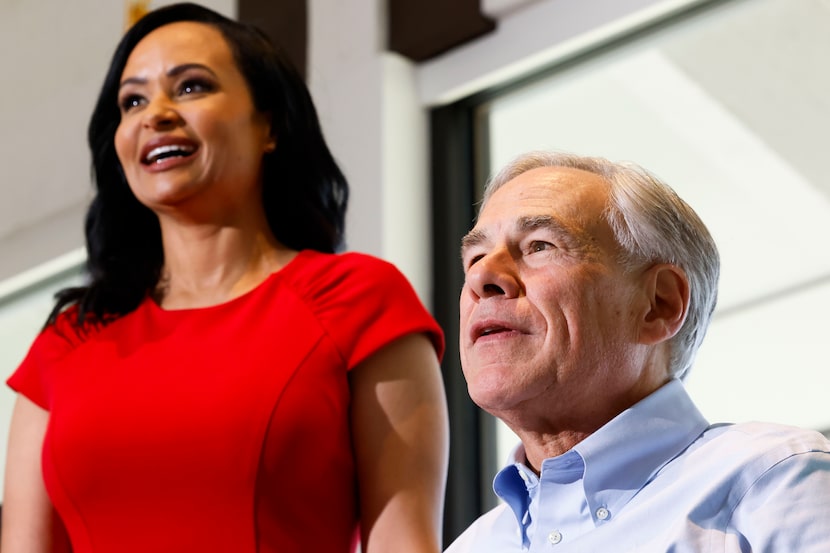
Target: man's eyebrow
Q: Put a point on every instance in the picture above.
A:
(523, 224)
(526, 224)
(569, 237)
(172, 72)
(471, 239)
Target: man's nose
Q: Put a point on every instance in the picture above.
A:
(493, 275)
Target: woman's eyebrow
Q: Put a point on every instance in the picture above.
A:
(179, 69)
(172, 72)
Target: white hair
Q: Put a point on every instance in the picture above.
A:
(652, 225)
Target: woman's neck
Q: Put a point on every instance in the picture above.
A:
(208, 264)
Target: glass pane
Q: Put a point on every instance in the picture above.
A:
(729, 108)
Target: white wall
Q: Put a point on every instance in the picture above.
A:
(53, 55)
(21, 317)
(373, 106)
(376, 127)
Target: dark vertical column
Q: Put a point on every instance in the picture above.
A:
(453, 197)
(284, 21)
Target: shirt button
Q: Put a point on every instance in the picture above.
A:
(555, 537)
(602, 513)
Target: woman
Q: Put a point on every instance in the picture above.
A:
(226, 382)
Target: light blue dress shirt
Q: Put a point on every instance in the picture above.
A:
(660, 478)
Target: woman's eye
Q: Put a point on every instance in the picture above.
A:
(129, 102)
(194, 86)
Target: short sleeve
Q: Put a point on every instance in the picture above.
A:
(34, 376)
(365, 303)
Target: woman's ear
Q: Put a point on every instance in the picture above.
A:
(270, 137)
(668, 293)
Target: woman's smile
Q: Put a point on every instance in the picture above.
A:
(167, 152)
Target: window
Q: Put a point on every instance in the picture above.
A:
(724, 103)
(25, 302)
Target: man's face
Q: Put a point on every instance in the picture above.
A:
(549, 317)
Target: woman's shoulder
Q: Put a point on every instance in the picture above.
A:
(318, 268)
(327, 280)
(67, 330)
(55, 342)
(344, 261)
(363, 301)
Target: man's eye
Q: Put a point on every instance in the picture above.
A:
(539, 246)
(472, 260)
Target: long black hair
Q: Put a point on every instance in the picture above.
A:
(304, 192)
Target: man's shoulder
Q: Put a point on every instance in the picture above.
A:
(495, 530)
(739, 454)
(763, 437)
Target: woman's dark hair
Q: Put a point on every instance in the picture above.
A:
(304, 191)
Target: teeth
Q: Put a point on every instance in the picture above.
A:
(156, 153)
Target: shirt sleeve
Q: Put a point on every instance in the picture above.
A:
(366, 303)
(34, 377)
(788, 507)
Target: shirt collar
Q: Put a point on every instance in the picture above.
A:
(516, 484)
(619, 458)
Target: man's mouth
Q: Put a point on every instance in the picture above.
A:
(490, 328)
(494, 330)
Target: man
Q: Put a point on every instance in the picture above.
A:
(589, 286)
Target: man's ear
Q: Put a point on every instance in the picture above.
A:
(667, 289)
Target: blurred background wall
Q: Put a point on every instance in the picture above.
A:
(726, 99)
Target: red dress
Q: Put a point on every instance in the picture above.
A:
(221, 429)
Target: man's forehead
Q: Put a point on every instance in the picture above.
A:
(560, 192)
(569, 202)
(568, 176)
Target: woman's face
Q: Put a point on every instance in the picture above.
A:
(190, 139)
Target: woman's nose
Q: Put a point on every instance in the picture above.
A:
(494, 275)
(161, 114)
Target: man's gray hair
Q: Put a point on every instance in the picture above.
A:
(652, 225)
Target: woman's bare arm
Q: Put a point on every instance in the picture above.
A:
(400, 430)
(30, 524)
